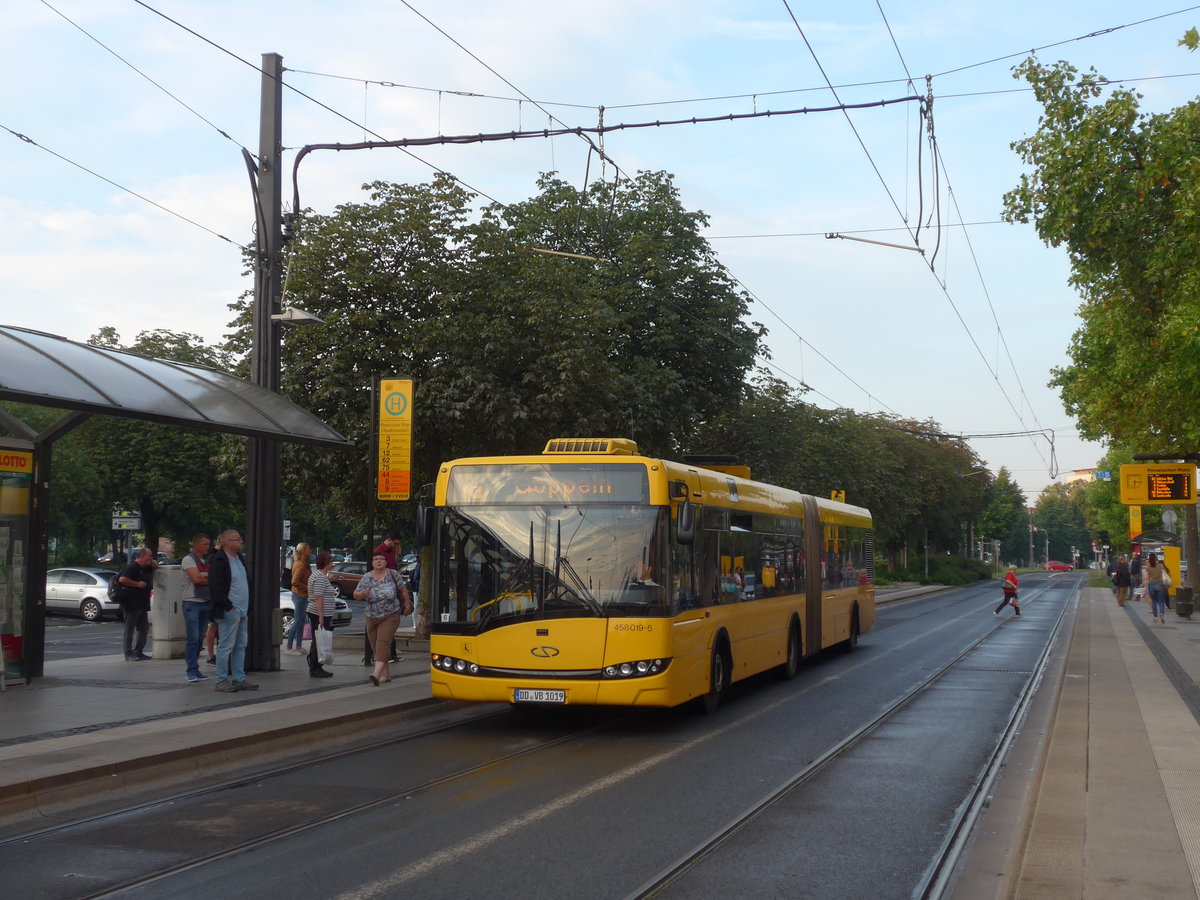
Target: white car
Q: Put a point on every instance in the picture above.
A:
(342, 614)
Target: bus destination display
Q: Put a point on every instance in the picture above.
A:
(1158, 484)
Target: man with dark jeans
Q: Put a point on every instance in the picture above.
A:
(230, 590)
(196, 606)
(136, 581)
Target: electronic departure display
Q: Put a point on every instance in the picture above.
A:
(1158, 484)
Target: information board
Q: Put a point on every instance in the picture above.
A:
(394, 462)
(1158, 483)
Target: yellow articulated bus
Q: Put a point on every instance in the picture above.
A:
(593, 575)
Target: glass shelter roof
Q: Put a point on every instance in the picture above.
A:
(49, 370)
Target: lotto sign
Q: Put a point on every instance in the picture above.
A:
(15, 463)
(394, 462)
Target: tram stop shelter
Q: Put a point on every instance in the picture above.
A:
(48, 370)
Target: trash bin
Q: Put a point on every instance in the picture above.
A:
(168, 631)
(1183, 602)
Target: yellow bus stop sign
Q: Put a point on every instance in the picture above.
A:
(394, 461)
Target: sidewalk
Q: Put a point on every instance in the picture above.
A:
(103, 727)
(1101, 794)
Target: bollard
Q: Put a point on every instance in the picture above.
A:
(1184, 604)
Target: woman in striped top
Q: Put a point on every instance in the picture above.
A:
(321, 597)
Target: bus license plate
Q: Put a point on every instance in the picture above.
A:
(524, 695)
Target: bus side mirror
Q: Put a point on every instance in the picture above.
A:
(425, 515)
(685, 523)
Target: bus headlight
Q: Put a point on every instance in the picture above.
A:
(636, 668)
(450, 664)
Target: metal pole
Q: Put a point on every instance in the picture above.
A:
(264, 521)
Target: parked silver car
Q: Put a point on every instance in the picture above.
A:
(342, 614)
(82, 590)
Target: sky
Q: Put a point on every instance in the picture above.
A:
(125, 199)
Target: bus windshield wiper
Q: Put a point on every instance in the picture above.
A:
(580, 591)
(577, 588)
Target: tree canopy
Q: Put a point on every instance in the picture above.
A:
(1118, 188)
(645, 338)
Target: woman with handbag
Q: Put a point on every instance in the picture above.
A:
(387, 597)
(322, 596)
(1009, 597)
(1158, 578)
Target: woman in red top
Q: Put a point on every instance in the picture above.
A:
(1010, 592)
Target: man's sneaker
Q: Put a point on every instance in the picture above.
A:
(212, 660)
(319, 673)
(141, 656)
(196, 676)
(245, 686)
(227, 687)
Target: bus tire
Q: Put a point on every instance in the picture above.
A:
(848, 645)
(718, 678)
(791, 665)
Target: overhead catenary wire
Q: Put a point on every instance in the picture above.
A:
(311, 99)
(1091, 35)
(936, 211)
(302, 94)
(130, 191)
(544, 133)
(221, 131)
(599, 129)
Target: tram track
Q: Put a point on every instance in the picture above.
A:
(1031, 594)
(279, 832)
(936, 878)
(21, 842)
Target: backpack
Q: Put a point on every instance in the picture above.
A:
(116, 590)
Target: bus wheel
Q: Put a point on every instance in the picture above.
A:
(848, 645)
(789, 669)
(718, 679)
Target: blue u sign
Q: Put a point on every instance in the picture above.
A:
(395, 404)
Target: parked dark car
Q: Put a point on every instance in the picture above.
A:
(116, 558)
(82, 590)
(345, 576)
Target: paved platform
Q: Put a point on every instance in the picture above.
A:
(1102, 798)
(1101, 793)
(102, 727)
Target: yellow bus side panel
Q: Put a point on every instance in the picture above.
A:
(757, 632)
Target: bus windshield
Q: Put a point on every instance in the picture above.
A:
(500, 564)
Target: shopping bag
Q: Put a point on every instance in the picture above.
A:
(324, 641)
(308, 631)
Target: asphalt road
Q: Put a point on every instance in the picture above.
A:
(596, 803)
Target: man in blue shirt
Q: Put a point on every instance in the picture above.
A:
(229, 589)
